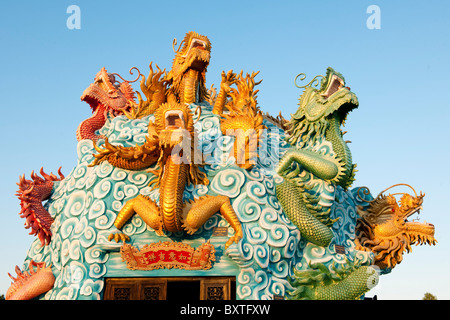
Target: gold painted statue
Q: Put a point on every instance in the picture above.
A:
(184, 83)
(383, 227)
(244, 119)
(171, 142)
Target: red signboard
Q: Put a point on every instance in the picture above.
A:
(168, 255)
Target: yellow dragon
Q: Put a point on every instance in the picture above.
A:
(384, 229)
(170, 141)
(171, 138)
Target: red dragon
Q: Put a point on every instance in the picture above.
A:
(104, 96)
(28, 285)
(31, 193)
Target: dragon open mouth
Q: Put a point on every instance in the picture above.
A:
(409, 214)
(335, 85)
(97, 94)
(174, 119)
(336, 89)
(195, 43)
(198, 50)
(93, 102)
(416, 220)
(419, 232)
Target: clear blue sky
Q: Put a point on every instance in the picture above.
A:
(400, 74)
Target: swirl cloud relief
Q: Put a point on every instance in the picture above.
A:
(85, 204)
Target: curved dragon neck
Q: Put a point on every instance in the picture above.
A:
(190, 90)
(334, 135)
(171, 194)
(87, 128)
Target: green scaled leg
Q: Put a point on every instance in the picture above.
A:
(309, 226)
(320, 166)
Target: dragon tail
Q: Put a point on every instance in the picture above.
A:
(321, 283)
(28, 285)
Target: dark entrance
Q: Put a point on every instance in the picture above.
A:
(171, 288)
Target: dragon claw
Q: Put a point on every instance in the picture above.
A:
(234, 239)
(118, 237)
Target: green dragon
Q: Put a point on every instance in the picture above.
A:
(319, 117)
(339, 283)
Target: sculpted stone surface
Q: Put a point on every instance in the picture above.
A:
(155, 177)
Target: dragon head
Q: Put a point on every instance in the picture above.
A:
(321, 113)
(318, 106)
(172, 122)
(193, 53)
(174, 129)
(107, 93)
(385, 227)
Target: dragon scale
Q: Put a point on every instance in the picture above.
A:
(352, 287)
(310, 227)
(340, 147)
(171, 194)
(320, 283)
(189, 87)
(87, 128)
(332, 169)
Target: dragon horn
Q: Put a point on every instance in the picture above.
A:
(139, 75)
(366, 191)
(396, 185)
(174, 43)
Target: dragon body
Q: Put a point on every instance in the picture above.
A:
(319, 117)
(294, 202)
(31, 194)
(174, 143)
(28, 285)
(321, 283)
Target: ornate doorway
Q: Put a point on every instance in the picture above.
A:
(170, 288)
